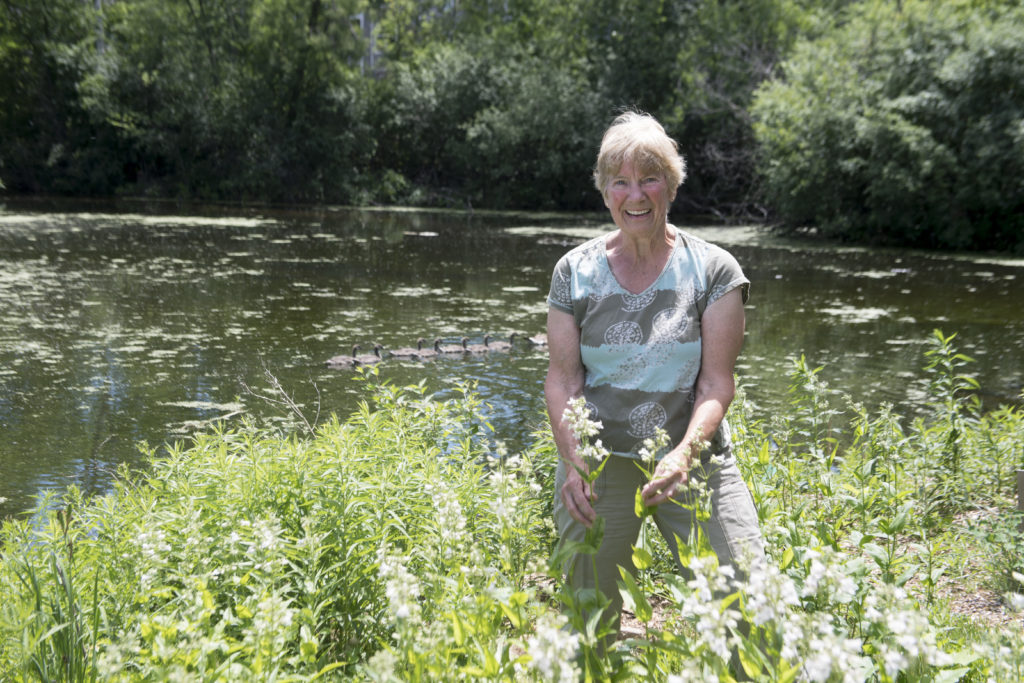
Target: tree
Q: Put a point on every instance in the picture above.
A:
(902, 126)
(235, 98)
(47, 143)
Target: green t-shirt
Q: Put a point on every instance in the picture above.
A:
(641, 352)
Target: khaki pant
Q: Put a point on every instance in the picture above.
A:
(732, 527)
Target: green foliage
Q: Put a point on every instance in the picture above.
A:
(405, 545)
(727, 51)
(901, 126)
(476, 125)
(1001, 539)
(872, 121)
(49, 143)
(233, 100)
(252, 555)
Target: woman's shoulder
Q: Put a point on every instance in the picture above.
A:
(700, 246)
(588, 250)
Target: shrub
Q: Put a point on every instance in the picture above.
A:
(902, 126)
(405, 544)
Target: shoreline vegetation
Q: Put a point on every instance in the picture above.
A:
(869, 121)
(405, 544)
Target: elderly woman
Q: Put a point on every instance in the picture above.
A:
(646, 323)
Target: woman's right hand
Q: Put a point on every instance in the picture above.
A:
(577, 496)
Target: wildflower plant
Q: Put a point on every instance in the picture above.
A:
(405, 544)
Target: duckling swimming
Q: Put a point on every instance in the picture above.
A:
(409, 352)
(369, 359)
(430, 353)
(500, 345)
(344, 361)
(475, 348)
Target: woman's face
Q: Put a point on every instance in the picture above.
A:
(638, 201)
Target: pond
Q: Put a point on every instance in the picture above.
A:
(142, 322)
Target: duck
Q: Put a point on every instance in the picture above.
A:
(458, 348)
(475, 348)
(369, 359)
(430, 353)
(500, 345)
(539, 339)
(409, 352)
(344, 361)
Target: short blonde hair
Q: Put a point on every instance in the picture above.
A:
(641, 139)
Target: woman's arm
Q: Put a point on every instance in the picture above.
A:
(721, 340)
(564, 382)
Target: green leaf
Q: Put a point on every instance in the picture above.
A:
(641, 558)
(512, 614)
(639, 509)
(634, 598)
(951, 675)
(789, 675)
(907, 574)
(787, 558)
(458, 633)
(751, 659)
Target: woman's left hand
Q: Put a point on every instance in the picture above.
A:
(670, 476)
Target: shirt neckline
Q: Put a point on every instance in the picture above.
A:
(676, 239)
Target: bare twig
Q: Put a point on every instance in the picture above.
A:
(282, 398)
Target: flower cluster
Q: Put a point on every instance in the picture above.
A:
(552, 651)
(505, 501)
(905, 634)
(826, 576)
(653, 446)
(577, 415)
(715, 622)
(401, 587)
(771, 595)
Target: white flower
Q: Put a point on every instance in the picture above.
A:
(895, 661)
(273, 615)
(692, 672)
(828, 577)
(577, 414)
(381, 666)
(552, 651)
(401, 587)
(451, 520)
(770, 595)
(654, 445)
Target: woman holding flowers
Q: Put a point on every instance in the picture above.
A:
(645, 324)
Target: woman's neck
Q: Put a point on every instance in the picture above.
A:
(637, 262)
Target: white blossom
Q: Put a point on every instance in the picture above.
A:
(577, 414)
(401, 587)
(771, 594)
(552, 650)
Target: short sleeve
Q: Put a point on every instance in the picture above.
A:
(560, 294)
(724, 275)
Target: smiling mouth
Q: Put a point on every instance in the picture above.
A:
(637, 213)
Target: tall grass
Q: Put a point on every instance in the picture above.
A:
(405, 544)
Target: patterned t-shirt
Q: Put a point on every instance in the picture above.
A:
(641, 352)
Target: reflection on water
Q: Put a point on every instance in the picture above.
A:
(122, 326)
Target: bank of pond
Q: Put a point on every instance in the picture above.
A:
(406, 543)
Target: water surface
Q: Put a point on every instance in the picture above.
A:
(122, 324)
